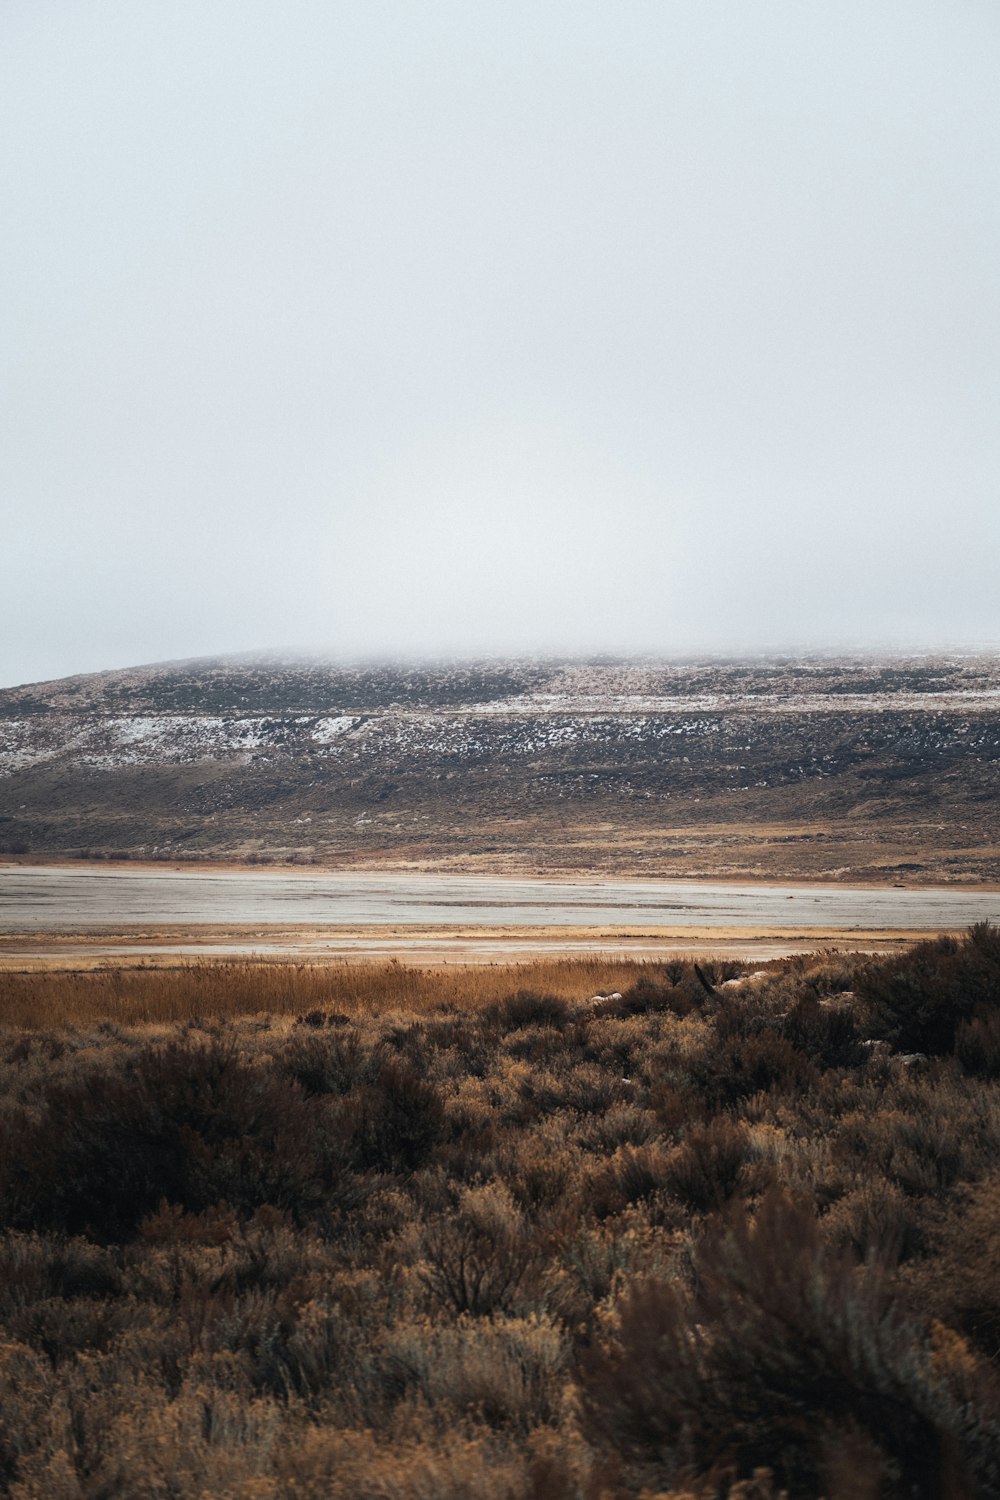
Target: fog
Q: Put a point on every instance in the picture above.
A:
(462, 328)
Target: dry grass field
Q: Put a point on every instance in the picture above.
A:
(576, 1231)
(214, 992)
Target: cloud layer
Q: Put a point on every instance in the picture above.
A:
(464, 327)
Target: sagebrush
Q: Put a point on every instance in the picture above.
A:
(623, 1235)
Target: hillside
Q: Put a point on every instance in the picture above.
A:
(835, 768)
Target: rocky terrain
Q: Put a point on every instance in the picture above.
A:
(822, 767)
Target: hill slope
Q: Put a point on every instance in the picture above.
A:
(833, 768)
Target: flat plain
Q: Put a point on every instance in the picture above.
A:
(78, 913)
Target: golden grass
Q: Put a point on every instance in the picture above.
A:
(216, 990)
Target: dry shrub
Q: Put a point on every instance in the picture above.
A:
(507, 1372)
(526, 1008)
(679, 995)
(540, 1172)
(961, 1280)
(467, 1465)
(584, 1088)
(462, 1047)
(197, 1124)
(877, 1223)
(706, 1170)
(977, 1045)
(740, 1066)
(783, 1350)
(350, 1258)
(187, 1123)
(116, 1440)
(330, 1064)
(395, 1121)
(825, 1032)
(922, 1151)
(621, 1125)
(27, 1389)
(918, 999)
(470, 1151)
(483, 1258)
(34, 1267)
(632, 1174)
(62, 1329)
(760, 1487)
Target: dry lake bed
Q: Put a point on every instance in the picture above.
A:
(53, 912)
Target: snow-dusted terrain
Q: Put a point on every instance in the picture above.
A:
(577, 763)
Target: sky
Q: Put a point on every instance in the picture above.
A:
(464, 328)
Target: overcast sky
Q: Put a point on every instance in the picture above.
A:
(458, 327)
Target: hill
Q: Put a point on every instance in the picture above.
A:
(832, 768)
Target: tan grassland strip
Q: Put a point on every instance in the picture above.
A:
(202, 993)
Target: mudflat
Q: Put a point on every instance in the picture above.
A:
(80, 913)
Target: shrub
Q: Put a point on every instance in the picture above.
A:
(726, 1073)
(329, 1064)
(366, 1251)
(539, 1173)
(186, 1123)
(706, 1170)
(961, 1279)
(26, 1396)
(783, 1352)
(508, 1371)
(877, 1223)
(630, 1175)
(33, 1268)
(479, 1259)
(919, 999)
(923, 1151)
(526, 1008)
(977, 1045)
(647, 996)
(825, 1033)
(395, 1121)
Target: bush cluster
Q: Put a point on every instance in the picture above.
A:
(722, 1237)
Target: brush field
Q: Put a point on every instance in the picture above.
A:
(581, 1231)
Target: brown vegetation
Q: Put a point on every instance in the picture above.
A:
(466, 1234)
(215, 990)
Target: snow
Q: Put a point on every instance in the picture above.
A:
(580, 706)
(325, 731)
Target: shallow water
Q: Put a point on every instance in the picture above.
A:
(56, 899)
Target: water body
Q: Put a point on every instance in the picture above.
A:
(37, 900)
